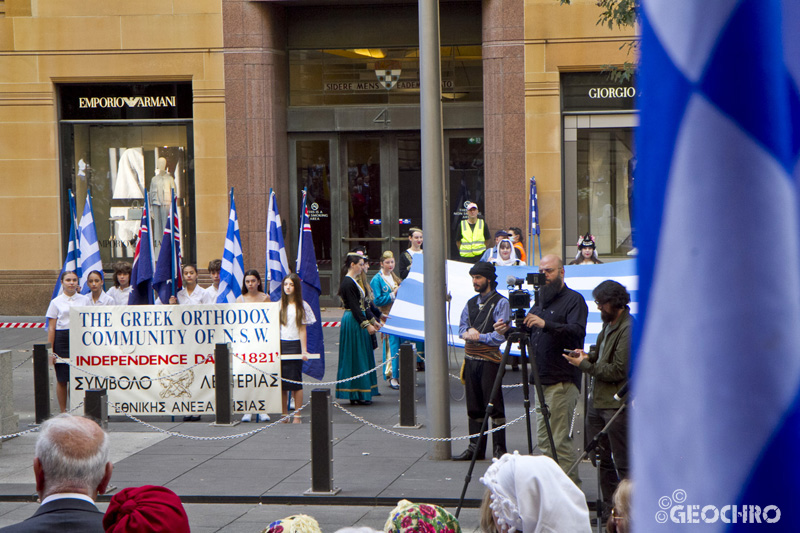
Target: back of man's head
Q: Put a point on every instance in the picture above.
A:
(73, 453)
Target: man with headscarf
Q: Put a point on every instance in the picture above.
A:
(71, 467)
(482, 358)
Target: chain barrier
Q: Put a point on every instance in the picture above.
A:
(34, 429)
(430, 439)
(458, 378)
(24, 361)
(224, 437)
(318, 383)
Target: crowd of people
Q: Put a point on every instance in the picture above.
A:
(522, 491)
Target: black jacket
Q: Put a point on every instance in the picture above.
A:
(564, 328)
(65, 515)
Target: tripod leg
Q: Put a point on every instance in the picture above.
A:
(526, 394)
(496, 389)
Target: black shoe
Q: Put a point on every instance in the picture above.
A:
(499, 452)
(467, 456)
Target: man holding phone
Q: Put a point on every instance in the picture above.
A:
(557, 323)
(607, 364)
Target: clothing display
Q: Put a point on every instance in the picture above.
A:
(129, 182)
(355, 345)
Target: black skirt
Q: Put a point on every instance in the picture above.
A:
(61, 349)
(293, 368)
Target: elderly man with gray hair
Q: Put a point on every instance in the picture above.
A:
(71, 467)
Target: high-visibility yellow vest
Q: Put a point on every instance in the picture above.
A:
(473, 242)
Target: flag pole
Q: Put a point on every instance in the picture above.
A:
(172, 216)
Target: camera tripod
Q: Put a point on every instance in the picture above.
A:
(521, 337)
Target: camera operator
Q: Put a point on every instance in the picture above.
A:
(557, 323)
(482, 358)
(607, 363)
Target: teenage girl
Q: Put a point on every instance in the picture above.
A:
(58, 330)
(121, 290)
(98, 296)
(295, 315)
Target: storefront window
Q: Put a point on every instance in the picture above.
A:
(314, 174)
(605, 177)
(114, 149)
(379, 76)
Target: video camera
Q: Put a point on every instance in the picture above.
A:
(519, 299)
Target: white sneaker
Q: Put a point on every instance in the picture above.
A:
(291, 404)
(247, 418)
(263, 417)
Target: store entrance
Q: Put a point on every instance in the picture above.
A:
(366, 190)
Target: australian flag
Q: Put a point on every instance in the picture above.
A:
(307, 270)
(167, 280)
(142, 273)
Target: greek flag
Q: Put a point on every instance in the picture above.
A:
(406, 318)
(72, 259)
(716, 372)
(231, 275)
(534, 209)
(89, 248)
(277, 262)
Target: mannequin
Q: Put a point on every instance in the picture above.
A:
(161, 187)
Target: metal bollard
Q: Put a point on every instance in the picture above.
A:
(41, 382)
(408, 401)
(321, 444)
(95, 406)
(223, 386)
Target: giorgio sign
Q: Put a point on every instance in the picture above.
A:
(121, 101)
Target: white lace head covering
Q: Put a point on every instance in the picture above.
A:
(531, 494)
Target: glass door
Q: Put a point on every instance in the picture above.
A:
(364, 176)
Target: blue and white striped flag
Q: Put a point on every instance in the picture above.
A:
(408, 310)
(716, 375)
(72, 259)
(277, 261)
(89, 248)
(534, 208)
(231, 275)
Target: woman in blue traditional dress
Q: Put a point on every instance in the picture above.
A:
(384, 286)
(355, 344)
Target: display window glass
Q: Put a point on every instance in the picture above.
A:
(117, 164)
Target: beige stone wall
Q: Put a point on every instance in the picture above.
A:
(558, 39)
(45, 42)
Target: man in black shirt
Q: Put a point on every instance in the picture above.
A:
(558, 323)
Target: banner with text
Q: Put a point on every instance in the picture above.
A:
(159, 359)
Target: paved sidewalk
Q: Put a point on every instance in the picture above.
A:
(242, 484)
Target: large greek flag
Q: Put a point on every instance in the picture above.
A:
(231, 275)
(406, 317)
(277, 261)
(716, 424)
(89, 248)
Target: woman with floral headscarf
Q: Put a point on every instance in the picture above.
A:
(410, 517)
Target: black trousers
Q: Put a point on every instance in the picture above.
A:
(612, 450)
(479, 376)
